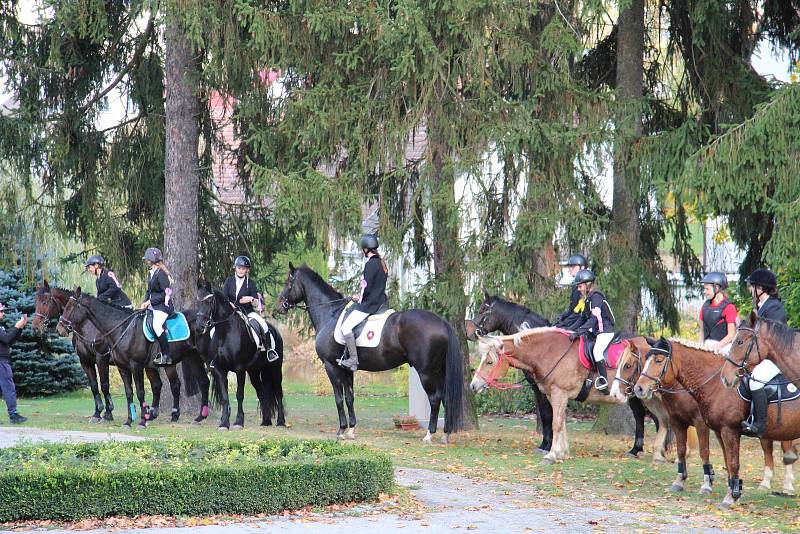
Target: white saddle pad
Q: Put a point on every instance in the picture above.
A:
(370, 336)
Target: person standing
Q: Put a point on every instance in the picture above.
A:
(9, 390)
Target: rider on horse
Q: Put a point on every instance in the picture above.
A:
(372, 298)
(109, 289)
(157, 300)
(596, 320)
(767, 303)
(717, 315)
(571, 315)
(242, 292)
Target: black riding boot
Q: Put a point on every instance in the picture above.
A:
(759, 424)
(163, 356)
(351, 362)
(601, 382)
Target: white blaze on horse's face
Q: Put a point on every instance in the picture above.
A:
(487, 351)
(616, 391)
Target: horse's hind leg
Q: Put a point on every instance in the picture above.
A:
(662, 433)
(125, 374)
(769, 464)
(335, 376)
(703, 437)
(638, 415)
(789, 457)
(102, 372)
(138, 378)
(258, 385)
(175, 388)
(204, 384)
(240, 383)
(349, 398)
(435, 399)
(89, 370)
(679, 427)
(155, 386)
(560, 448)
(545, 413)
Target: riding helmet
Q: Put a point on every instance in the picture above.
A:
(762, 277)
(153, 254)
(578, 259)
(715, 278)
(241, 261)
(96, 258)
(369, 241)
(582, 276)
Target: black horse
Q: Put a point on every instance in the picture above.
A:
(496, 314)
(92, 350)
(233, 350)
(131, 352)
(420, 338)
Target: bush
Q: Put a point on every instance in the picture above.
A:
(42, 365)
(67, 481)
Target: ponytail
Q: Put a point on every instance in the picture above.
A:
(163, 267)
(383, 262)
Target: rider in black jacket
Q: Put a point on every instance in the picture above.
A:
(108, 287)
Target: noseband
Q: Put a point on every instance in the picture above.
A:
(742, 366)
(629, 384)
(52, 299)
(479, 329)
(661, 375)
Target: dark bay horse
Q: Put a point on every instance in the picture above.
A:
(420, 338)
(92, 349)
(234, 350)
(552, 360)
(697, 369)
(131, 352)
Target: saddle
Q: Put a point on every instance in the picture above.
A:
(777, 390)
(611, 353)
(367, 332)
(176, 327)
(265, 341)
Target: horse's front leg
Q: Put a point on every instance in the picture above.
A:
(335, 376)
(89, 371)
(221, 383)
(155, 386)
(174, 387)
(103, 363)
(349, 398)
(769, 464)
(240, 383)
(544, 412)
(560, 448)
(125, 374)
(731, 438)
(138, 378)
(205, 383)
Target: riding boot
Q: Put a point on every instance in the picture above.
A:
(759, 424)
(163, 357)
(601, 382)
(351, 362)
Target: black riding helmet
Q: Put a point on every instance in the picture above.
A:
(716, 278)
(764, 278)
(583, 276)
(94, 259)
(241, 261)
(578, 259)
(369, 242)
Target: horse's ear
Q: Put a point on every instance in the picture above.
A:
(77, 291)
(650, 341)
(486, 295)
(753, 318)
(291, 267)
(45, 285)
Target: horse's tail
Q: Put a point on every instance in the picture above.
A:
(272, 381)
(454, 383)
(190, 367)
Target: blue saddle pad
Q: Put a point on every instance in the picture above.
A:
(176, 326)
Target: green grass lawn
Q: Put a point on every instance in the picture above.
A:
(502, 450)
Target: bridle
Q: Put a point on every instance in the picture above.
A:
(70, 325)
(286, 305)
(497, 372)
(742, 366)
(209, 321)
(629, 385)
(51, 300)
(668, 353)
(479, 325)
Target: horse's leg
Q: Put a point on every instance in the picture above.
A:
(258, 384)
(102, 371)
(560, 448)
(240, 383)
(789, 452)
(544, 411)
(769, 464)
(156, 384)
(204, 384)
(662, 434)
(731, 438)
(703, 436)
(276, 375)
(222, 384)
(638, 415)
(175, 388)
(679, 427)
(125, 374)
(435, 397)
(89, 370)
(788, 468)
(138, 379)
(349, 398)
(335, 376)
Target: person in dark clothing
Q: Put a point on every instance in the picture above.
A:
(767, 303)
(108, 287)
(242, 292)
(157, 300)
(372, 297)
(7, 338)
(572, 314)
(596, 320)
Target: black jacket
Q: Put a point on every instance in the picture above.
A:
(110, 290)
(589, 323)
(570, 316)
(158, 292)
(374, 295)
(7, 338)
(772, 308)
(248, 289)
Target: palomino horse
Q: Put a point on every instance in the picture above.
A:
(697, 369)
(420, 338)
(93, 352)
(684, 412)
(496, 314)
(552, 359)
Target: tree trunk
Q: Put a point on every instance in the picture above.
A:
(625, 277)
(447, 255)
(181, 174)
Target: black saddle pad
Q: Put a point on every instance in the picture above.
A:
(777, 390)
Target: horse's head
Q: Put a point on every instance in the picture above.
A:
(493, 366)
(629, 368)
(46, 307)
(205, 308)
(658, 370)
(292, 292)
(485, 320)
(745, 352)
(73, 314)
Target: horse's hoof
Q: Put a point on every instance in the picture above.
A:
(281, 423)
(540, 450)
(765, 486)
(126, 426)
(108, 417)
(676, 488)
(222, 428)
(446, 439)
(350, 434)
(173, 419)
(266, 423)
(630, 454)
(237, 427)
(197, 422)
(705, 491)
(94, 420)
(659, 460)
(547, 460)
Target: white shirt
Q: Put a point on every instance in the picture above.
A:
(239, 283)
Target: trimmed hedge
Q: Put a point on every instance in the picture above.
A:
(66, 481)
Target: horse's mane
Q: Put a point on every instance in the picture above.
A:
(319, 281)
(41, 290)
(110, 305)
(692, 345)
(488, 343)
(784, 335)
(519, 308)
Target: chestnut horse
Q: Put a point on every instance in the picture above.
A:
(697, 369)
(549, 356)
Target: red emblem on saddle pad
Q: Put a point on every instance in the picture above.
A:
(370, 334)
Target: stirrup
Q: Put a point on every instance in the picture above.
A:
(600, 383)
(272, 355)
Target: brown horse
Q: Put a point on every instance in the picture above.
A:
(684, 412)
(549, 356)
(697, 369)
